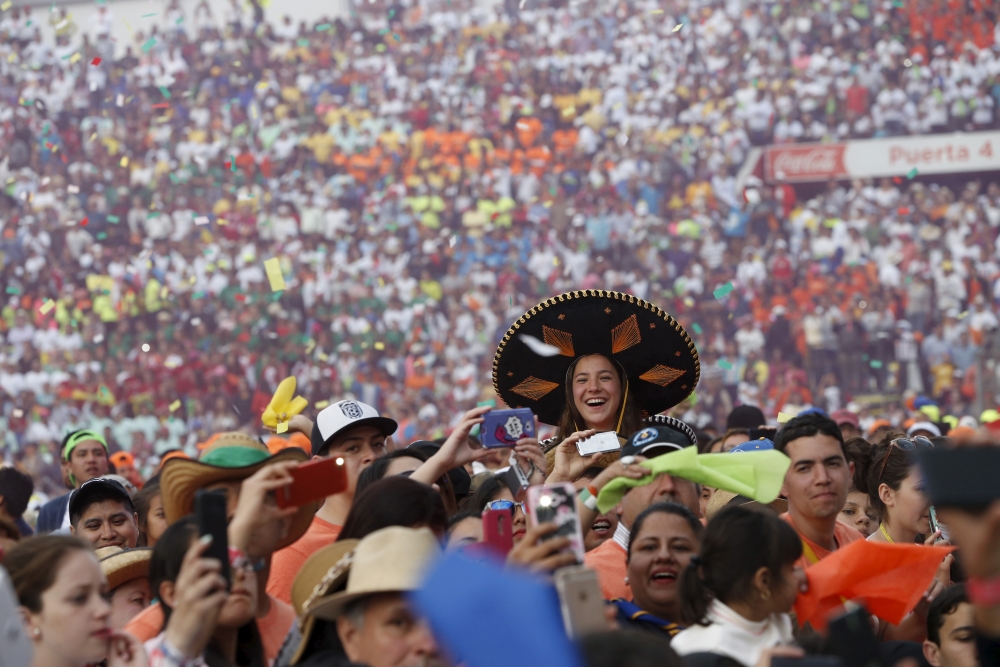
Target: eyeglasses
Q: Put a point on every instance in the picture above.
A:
(904, 445)
(504, 505)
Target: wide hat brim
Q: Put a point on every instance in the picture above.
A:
(323, 573)
(722, 498)
(181, 478)
(657, 354)
(125, 565)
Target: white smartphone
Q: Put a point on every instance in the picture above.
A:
(599, 443)
(17, 650)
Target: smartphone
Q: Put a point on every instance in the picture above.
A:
(516, 481)
(210, 514)
(17, 648)
(599, 443)
(852, 638)
(937, 525)
(580, 600)
(498, 531)
(557, 504)
(314, 481)
(503, 428)
(961, 477)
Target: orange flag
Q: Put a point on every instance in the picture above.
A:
(889, 578)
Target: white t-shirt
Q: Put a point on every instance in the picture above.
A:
(732, 635)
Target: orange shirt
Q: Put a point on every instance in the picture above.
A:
(842, 533)
(285, 564)
(273, 628)
(608, 561)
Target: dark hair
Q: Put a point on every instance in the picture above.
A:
(943, 605)
(627, 648)
(663, 508)
(888, 465)
(142, 501)
(736, 543)
(33, 565)
(168, 555)
(395, 501)
(859, 452)
(735, 431)
(165, 565)
(705, 446)
(100, 496)
(16, 489)
(380, 466)
(460, 517)
(806, 425)
(490, 486)
(571, 420)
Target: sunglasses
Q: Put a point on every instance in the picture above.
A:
(504, 505)
(904, 445)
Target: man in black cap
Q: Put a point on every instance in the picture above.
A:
(101, 512)
(355, 432)
(609, 559)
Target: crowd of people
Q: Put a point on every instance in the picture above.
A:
(704, 552)
(422, 175)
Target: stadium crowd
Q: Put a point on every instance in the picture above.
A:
(423, 176)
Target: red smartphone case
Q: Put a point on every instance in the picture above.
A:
(498, 531)
(314, 481)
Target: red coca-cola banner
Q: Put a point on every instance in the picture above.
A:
(800, 163)
(874, 158)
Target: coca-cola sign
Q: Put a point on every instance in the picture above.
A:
(807, 162)
(896, 157)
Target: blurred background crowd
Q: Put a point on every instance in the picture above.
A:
(425, 174)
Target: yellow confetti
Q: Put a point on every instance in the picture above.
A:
(124, 161)
(319, 405)
(5, 6)
(379, 345)
(175, 406)
(273, 269)
(47, 306)
(310, 346)
(282, 427)
(678, 27)
(656, 11)
(75, 57)
(322, 356)
(784, 416)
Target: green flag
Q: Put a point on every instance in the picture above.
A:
(758, 475)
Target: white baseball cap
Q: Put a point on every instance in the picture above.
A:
(345, 415)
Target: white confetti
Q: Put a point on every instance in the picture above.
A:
(538, 347)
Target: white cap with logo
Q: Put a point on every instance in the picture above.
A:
(345, 415)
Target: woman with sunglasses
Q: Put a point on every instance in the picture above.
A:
(896, 492)
(494, 494)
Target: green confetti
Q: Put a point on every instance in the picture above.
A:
(179, 21)
(302, 42)
(396, 37)
(383, 31)
(102, 235)
(198, 295)
(322, 27)
(154, 214)
(173, 178)
(146, 16)
(165, 92)
(875, 363)
(723, 291)
(725, 365)
(232, 163)
(697, 328)
(912, 174)
(150, 43)
(13, 290)
(113, 219)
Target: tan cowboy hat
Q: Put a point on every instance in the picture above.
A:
(324, 573)
(390, 560)
(721, 499)
(231, 457)
(123, 565)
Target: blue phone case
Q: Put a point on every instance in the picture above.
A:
(503, 428)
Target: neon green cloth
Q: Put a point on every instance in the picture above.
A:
(758, 475)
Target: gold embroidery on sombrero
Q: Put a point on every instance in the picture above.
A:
(661, 375)
(533, 388)
(625, 335)
(561, 339)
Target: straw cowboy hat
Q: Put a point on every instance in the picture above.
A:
(121, 566)
(231, 457)
(721, 499)
(390, 560)
(324, 573)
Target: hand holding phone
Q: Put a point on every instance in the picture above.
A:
(580, 600)
(503, 428)
(599, 443)
(498, 531)
(556, 504)
(210, 514)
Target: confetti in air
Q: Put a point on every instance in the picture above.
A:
(723, 291)
(273, 269)
(538, 347)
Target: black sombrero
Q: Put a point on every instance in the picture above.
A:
(659, 358)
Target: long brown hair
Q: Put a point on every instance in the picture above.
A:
(33, 565)
(630, 418)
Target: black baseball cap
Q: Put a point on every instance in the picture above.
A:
(745, 416)
(96, 490)
(653, 441)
